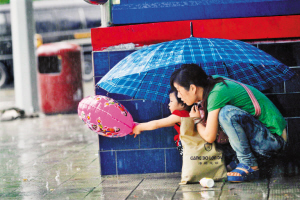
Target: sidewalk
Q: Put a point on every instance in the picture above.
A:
(56, 157)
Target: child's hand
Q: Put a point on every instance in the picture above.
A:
(136, 130)
(195, 111)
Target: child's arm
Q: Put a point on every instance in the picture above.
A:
(155, 124)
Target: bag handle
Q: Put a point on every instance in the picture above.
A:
(252, 97)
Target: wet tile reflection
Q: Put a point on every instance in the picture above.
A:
(47, 156)
(56, 157)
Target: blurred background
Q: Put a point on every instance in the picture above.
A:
(55, 21)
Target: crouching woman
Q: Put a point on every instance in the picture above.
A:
(227, 103)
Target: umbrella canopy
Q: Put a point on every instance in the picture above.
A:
(145, 73)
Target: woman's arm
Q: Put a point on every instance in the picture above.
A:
(155, 124)
(208, 133)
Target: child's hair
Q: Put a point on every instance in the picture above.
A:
(186, 107)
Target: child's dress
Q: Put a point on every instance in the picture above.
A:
(180, 113)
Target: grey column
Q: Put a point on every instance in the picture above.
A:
(106, 14)
(24, 59)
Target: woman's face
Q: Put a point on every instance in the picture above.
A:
(187, 96)
(174, 105)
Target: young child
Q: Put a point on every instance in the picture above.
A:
(178, 110)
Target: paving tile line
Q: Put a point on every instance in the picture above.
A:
(93, 189)
(260, 187)
(223, 184)
(175, 192)
(135, 188)
(56, 165)
(106, 178)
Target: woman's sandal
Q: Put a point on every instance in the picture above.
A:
(251, 175)
(231, 166)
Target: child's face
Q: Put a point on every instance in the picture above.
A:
(174, 105)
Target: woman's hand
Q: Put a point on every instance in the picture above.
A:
(136, 130)
(195, 111)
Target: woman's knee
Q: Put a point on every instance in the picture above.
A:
(227, 112)
(224, 112)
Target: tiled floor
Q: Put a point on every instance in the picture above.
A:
(47, 156)
(55, 157)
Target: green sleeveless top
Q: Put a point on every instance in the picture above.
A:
(235, 95)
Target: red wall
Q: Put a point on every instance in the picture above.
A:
(253, 28)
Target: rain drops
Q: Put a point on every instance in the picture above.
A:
(57, 177)
(47, 186)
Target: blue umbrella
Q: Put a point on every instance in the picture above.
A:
(145, 73)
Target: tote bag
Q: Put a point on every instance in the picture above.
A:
(200, 159)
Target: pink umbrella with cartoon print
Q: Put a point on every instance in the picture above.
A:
(105, 116)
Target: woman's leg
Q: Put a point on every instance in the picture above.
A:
(248, 135)
(231, 160)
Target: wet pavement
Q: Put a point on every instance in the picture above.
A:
(56, 157)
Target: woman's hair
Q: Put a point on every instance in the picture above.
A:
(189, 74)
(186, 107)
